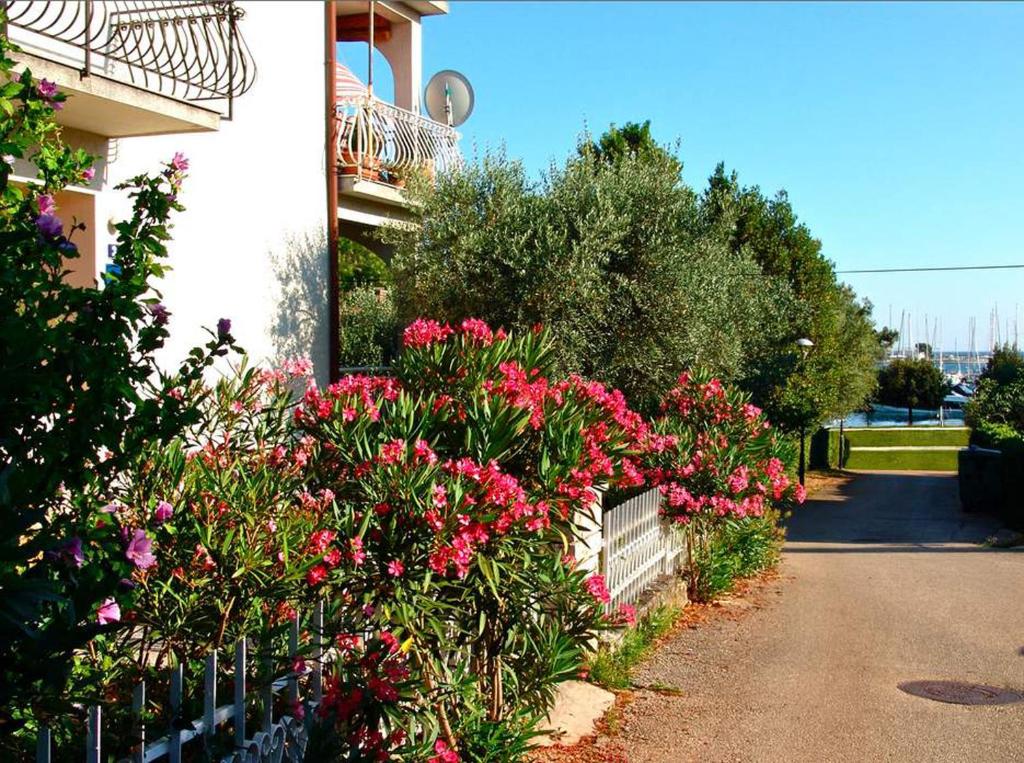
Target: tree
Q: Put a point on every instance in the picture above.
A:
(923, 350)
(912, 384)
(887, 337)
(633, 139)
(838, 375)
(1005, 366)
(608, 254)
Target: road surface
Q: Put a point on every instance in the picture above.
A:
(882, 582)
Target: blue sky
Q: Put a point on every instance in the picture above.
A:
(897, 129)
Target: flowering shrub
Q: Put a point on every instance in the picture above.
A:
(226, 505)
(717, 462)
(80, 393)
(467, 475)
(713, 454)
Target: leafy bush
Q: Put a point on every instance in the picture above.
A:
(995, 403)
(467, 476)
(736, 549)
(639, 277)
(80, 393)
(714, 457)
(368, 327)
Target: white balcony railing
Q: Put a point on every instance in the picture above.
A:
(379, 141)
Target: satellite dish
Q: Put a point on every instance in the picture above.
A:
(449, 98)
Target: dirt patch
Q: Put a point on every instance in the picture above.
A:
(826, 481)
(622, 734)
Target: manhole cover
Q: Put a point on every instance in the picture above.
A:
(959, 693)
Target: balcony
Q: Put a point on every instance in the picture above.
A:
(133, 67)
(381, 146)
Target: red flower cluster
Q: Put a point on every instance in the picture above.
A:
(366, 678)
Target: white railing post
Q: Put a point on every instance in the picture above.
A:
(93, 742)
(293, 649)
(318, 652)
(174, 734)
(138, 709)
(589, 523)
(639, 547)
(44, 745)
(210, 697)
(239, 709)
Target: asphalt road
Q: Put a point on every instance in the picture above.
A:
(882, 582)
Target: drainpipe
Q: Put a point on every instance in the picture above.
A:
(331, 172)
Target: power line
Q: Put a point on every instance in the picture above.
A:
(925, 270)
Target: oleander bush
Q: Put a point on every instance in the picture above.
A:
(723, 472)
(468, 475)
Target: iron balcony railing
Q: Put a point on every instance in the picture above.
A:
(380, 141)
(180, 48)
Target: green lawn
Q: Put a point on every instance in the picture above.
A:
(903, 460)
(907, 436)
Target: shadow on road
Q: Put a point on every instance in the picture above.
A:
(904, 508)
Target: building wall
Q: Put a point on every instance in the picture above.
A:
(251, 245)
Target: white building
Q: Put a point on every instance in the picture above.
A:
(246, 91)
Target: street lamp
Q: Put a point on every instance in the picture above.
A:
(805, 346)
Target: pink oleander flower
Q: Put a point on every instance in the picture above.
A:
(179, 162)
(396, 568)
(476, 329)
(445, 754)
(316, 575)
(298, 366)
(140, 550)
(163, 512)
(88, 174)
(108, 612)
(627, 614)
(597, 588)
(800, 494)
(424, 332)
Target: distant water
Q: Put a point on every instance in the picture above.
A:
(888, 416)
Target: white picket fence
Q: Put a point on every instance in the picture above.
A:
(638, 547)
(281, 739)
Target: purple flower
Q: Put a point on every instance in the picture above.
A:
(108, 612)
(89, 173)
(72, 552)
(224, 326)
(47, 89)
(179, 162)
(47, 206)
(159, 312)
(50, 226)
(140, 550)
(163, 511)
(111, 508)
